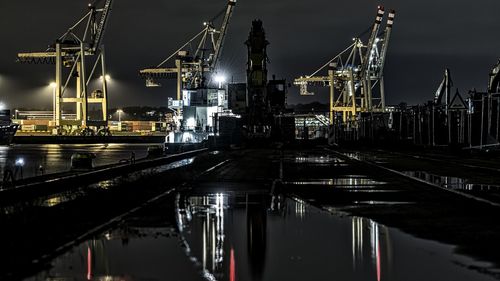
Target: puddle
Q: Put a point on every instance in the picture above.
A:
(451, 182)
(347, 182)
(382, 203)
(254, 236)
(318, 160)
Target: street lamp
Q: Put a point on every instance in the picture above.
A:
(119, 111)
(53, 85)
(108, 78)
(221, 79)
(17, 114)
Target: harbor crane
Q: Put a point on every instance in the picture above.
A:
(355, 73)
(78, 48)
(192, 69)
(494, 83)
(444, 90)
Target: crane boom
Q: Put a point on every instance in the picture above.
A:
(371, 42)
(193, 69)
(444, 89)
(385, 46)
(355, 75)
(223, 31)
(494, 85)
(101, 27)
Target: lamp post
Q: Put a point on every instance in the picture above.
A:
(53, 85)
(119, 111)
(17, 114)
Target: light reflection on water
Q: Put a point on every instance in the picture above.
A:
(241, 236)
(57, 199)
(452, 182)
(339, 182)
(56, 157)
(317, 160)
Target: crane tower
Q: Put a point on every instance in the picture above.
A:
(355, 77)
(194, 70)
(79, 57)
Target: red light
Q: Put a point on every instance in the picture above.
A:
(232, 267)
(89, 263)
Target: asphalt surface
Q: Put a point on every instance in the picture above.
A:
(271, 215)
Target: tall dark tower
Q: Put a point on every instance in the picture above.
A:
(259, 115)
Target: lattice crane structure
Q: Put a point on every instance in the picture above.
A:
(494, 83)
(72, 53)
(194, 70)
(356, 75)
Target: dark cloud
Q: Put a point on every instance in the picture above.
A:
(428, 36)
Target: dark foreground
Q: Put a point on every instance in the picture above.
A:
(253, 215)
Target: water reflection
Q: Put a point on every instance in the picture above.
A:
(266, 237)
(56, 157)
(310, 159)
(452, 182)
(345, 182)
(251, 236)
(208, 214)
(364, 231)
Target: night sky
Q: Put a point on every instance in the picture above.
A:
(428, 36)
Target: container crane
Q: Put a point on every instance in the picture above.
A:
(79, 47)
(354, 73)
(494, 83)
(192, 70)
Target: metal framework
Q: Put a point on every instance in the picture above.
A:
(494, 83)
(191, 70)
(444, 90)
(80, 47)
(355, 73)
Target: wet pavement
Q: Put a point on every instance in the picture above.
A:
(56, 158)
(480, 181)
(291, 216)
(255, 236)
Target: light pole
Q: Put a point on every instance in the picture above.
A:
(17, 114)
(53, 85)
(119, 111)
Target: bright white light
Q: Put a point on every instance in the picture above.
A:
(2, 106)
(220, 79)
(119, 111)
(108, 78)
(187, 137)
(53, 85)
(20, 162)
(191, 123)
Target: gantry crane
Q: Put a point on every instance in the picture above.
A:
(355, 73)
(81, 46)
(193, 70)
